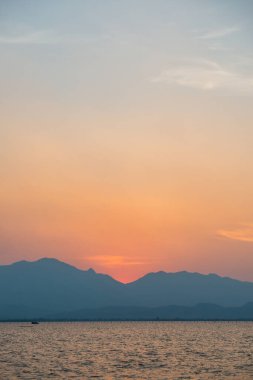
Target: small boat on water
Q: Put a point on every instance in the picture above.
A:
(35, 323)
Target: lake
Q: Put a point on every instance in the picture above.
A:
(127, 350)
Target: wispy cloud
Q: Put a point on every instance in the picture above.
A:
(219, 47)
(207, 76)
(219, 33)
(111, 261)
(243, 233)
(35, 37)
(41, 37)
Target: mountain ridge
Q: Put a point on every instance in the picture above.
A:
(202, 311)
(50, 286)
(92, 270)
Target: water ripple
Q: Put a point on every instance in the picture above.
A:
(129, 350)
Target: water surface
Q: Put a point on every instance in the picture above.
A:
(127, 350)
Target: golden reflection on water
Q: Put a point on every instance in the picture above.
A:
(127, 350)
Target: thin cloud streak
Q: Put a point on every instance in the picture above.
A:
(206, 75)
(219, 33)
(41, 37)
(37, 37)
(245, 233)
(111, 261)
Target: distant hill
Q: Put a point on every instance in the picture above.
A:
(50, 287)
(184, 288)
(202, 312)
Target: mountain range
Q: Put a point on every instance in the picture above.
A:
(51, 289)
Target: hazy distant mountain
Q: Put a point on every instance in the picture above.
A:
(172, 312)
(48, 286)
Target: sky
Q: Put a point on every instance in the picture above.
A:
(126, 135)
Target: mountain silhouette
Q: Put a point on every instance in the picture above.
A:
(173, 312)
(50, 287)
(185, 288)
